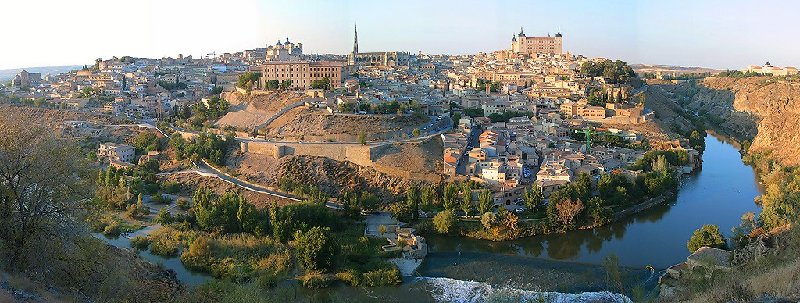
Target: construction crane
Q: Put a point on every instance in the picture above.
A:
(588, 132)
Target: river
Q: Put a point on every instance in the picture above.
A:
(719, 194)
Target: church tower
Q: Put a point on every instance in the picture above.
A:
(355, 39)
(351, 58)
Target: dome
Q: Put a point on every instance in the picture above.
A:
(279, 43)
(558, 35)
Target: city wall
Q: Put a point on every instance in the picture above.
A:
(359, 154)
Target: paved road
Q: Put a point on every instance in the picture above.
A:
(204, 168)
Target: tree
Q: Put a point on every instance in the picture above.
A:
(415, 132)
(568, 209)
(362, 138)
(450, 196)
(44, 186)
(146, 141)
(466, 198)
(248, 79)
(485, 201)
(488, 219)
(533, 197)
(443, 221)
(708, 235)
(412, 198)
(315, 248)
(456, 118)
(324, 83)
(428, 195)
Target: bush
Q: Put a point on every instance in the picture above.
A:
(443, 221)
(140, 243)
(708, 235)
(184, 203)
(164, 242)
(315, 279)
(171, 187)
(351, 276)
(382, 277)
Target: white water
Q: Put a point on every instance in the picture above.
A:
(451, 290)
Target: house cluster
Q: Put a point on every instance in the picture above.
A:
(768, 69)
(132, 87)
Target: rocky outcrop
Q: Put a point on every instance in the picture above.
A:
(775, 102)
(335, 177)
(762, 110)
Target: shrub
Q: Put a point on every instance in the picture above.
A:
(164, 242)
(171, 187)
(184, 203)
(443, 221)
(708, 235)
(351, 276)
(164, 216)
(140, 243)
(112, 228)
(198, 256)
(315, 279)
(315, 248)
(382, 277)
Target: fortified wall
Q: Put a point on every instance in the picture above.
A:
(363, 155)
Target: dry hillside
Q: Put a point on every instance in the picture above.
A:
(317, 125)
(761, 109)
(249, 111)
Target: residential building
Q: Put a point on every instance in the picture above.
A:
(116, 152)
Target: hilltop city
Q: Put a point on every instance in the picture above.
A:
(272, 167)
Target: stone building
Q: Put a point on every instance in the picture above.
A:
(521, 44)
(284, 51)
(301, 73)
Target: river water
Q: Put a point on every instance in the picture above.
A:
(557, 266)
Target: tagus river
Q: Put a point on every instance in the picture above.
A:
(567, 267)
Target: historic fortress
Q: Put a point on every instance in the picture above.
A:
(364, 155)
(521, 44)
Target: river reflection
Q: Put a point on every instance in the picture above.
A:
(718, 194)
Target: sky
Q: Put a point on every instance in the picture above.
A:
(717, 34)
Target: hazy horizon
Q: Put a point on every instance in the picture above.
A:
(715, 34)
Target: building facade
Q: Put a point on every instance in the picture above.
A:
(284, 51)
(116, 152)
(301, 73)
(521, 44)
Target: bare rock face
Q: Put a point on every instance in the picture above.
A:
(775, 102)
(336, 177)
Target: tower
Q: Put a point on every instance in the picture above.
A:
(355, 39)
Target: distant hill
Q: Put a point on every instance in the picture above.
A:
(8, 74)
(652, 68)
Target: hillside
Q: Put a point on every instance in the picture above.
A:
(256, 108)
(762, 110)
(317, 125)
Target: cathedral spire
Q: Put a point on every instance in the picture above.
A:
(355, 39)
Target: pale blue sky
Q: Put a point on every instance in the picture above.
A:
(720, 34)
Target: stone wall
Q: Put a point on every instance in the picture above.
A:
(356, 153)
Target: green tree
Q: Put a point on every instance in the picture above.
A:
(324, 83)
(485, 201)
(708, 235)
(466, 199)
(146, 141)
(413, 199)
(315, 249)
(428, 196)
(450, 196)
(362, 138)
(443, 221)
(533, 197)
(415, 132)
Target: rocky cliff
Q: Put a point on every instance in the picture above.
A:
(336, 177)
(775, 103)
(762, 110)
